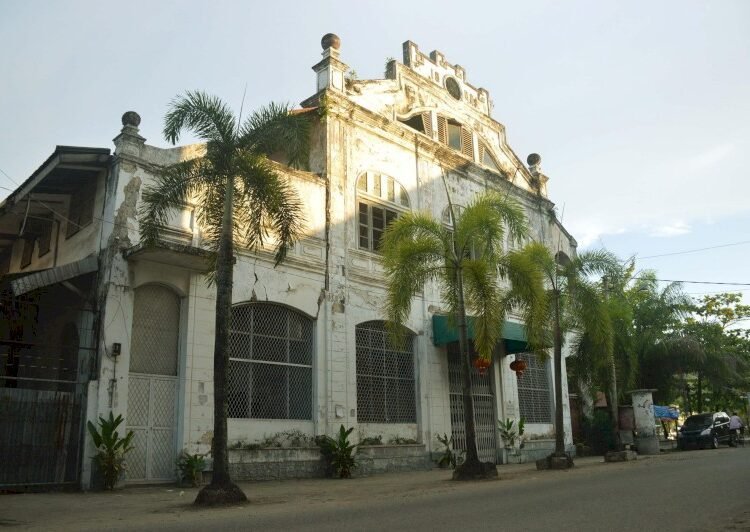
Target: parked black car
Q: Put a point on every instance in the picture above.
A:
(704, 430)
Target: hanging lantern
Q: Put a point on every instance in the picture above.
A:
(519, 366)
(482, 364)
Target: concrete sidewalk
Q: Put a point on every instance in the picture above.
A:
(144, 508)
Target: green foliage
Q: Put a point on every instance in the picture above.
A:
(400, 440)
(449, 458)
(111, 448)
(339, 453)
(372, 440)
(598, 433)
(190, 467)
(237, 154)
(282, 439)
(510, 432)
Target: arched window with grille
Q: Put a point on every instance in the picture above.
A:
(270, 363)
(386, 390)
(380, 200)
(534, 389)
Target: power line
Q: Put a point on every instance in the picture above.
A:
(743, 242)
(692, 282)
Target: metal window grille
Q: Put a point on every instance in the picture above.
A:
(385, 376)
(485, 424)
(534, 394)
(270, 363)
(156, 326)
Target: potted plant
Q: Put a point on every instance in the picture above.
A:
(190, 468)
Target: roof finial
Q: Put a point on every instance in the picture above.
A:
(330, 40)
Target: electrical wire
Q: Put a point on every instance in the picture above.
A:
(697, 250)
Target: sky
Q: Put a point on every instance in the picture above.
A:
(640, 109)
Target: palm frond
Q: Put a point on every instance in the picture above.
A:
(266, 200)
(205, 115)
(483, 302)
(275, 128)
(174, 187)
(413, 253)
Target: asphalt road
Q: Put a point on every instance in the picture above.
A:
(702, 490)
(695, 490)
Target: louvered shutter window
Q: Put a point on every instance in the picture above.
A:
(467, 143)
(427, 120)
(442, 129)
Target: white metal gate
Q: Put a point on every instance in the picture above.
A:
(484, 407)
(152, 384)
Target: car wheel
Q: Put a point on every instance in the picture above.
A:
(715, 442)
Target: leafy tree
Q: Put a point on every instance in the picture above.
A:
(239, 199)
(577, 307)
(468, 262)
(726, 357)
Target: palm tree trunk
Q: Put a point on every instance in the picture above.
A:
(559, 428)
(222, 490)
(614, 410)
(472, 455)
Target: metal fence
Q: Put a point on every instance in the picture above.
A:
(47, 354)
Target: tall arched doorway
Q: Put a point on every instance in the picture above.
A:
(152, 383)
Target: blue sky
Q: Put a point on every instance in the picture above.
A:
(640, 110)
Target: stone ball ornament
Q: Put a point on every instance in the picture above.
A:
(131, 118)
(330, 40)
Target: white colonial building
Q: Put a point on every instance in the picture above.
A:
(95, 322)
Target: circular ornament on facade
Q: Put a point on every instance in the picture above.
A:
(453, 88)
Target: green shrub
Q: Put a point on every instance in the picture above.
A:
(190, 468)
(449, 458)
(399, 440)
(372, 440)
(111, 448)
(338, 453)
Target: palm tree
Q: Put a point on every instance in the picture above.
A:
(239, 198)
(467, 260)
(577, 306)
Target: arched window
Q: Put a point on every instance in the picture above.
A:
(487, 159)
(534, 390)
(380, 200)
(385, 376)
(270, 363)
(421, 122)
(447, 217)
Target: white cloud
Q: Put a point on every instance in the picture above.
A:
(653, 194)
(673, 229)
(710, 157)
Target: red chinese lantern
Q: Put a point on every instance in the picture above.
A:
(519, 366)
(482, 364)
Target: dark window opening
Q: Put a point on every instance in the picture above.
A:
(81, 210)
(415, 122)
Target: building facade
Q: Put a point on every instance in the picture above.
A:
(308, 346)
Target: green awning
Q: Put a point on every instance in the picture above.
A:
(513, 334)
